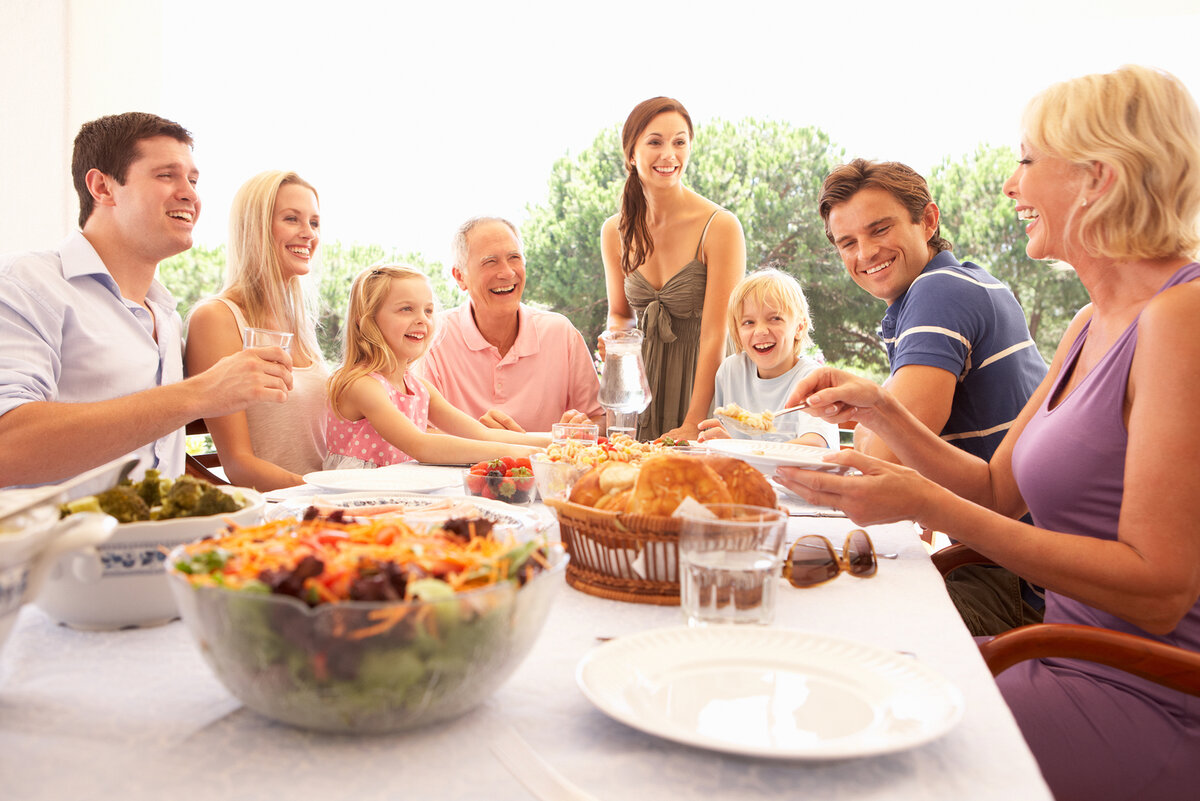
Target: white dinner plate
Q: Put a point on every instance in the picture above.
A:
(766, 456)
(767, 692)
(416, 507)
(393, 478)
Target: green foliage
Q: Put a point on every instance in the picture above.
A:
(193, 275)
(768, 173)
(200, 272)
(562, 235)
(340, 263)
(980, 221)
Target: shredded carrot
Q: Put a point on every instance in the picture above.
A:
(348, 548)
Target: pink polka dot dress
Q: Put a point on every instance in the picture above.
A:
(356, 443)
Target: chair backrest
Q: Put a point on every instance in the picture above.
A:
(199, 465)
(1158, 662)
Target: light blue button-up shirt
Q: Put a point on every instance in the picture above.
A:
(67, 335)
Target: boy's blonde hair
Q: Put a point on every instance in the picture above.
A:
(771, 287)
(365, 351)
(1143, 124)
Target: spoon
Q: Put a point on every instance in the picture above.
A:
(24, 500)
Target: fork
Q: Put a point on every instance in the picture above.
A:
(531, 770)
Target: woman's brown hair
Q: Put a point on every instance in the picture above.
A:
(636, 242)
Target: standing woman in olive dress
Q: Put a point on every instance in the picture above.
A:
(671, 260)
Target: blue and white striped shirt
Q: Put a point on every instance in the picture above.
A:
(962, 319)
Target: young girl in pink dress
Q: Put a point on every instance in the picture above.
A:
(378, 412)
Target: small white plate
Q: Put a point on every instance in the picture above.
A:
(393, 478)
(771, 693)
(419, 508)
(766, 456)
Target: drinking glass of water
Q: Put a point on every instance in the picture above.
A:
(730, 559)
(265, 338)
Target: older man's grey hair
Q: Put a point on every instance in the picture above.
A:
(459, 248)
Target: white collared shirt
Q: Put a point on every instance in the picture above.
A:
(67, 335)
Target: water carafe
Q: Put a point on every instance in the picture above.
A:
(624, 391)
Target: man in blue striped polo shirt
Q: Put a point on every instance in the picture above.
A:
(962, 360)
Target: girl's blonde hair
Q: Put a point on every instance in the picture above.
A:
(254, 275)
(1143, 124)
(780, 291)
(365, 350)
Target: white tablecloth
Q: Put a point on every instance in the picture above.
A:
(138, 715)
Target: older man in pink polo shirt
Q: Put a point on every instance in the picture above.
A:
(497, 359)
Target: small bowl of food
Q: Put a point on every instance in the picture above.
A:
(365, 625)
(121, 583)
(554, 477)
(30, 543)
(508, 479)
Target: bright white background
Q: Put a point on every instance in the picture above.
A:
(412, 117)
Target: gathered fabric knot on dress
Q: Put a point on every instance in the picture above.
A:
(669, 319)
(657, 321)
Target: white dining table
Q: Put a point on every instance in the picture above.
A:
(137, 714)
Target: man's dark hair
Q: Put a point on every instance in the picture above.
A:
(110, 145)
(899, 180)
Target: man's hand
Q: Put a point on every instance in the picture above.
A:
(573, 417)
(254, 375)
(494, 418)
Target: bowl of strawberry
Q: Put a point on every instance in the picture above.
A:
(506, 479)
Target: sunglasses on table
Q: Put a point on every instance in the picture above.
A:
(812, 559)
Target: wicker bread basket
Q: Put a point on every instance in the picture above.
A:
(622, 557)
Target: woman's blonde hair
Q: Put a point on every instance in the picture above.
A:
(365, 351)
(1143, 124)
(775, 288)
(254, 275)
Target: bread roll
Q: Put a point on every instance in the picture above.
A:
(606, 478)
(745, 484)
(664, 481)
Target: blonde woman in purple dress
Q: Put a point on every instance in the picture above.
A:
(1103, 456)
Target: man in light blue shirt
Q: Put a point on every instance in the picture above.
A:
(90, 343)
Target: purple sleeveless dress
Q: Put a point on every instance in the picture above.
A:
(1097, 732)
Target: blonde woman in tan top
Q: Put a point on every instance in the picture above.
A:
(274, 229)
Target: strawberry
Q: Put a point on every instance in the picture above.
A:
(509, 462)
(507, 489)
(525, 463)
(476, 482)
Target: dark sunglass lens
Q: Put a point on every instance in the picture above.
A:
(812, 561)
(860, 554)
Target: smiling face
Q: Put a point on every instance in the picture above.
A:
(769, 337)
(493, 273)
(883, 250)
(1048, 194)
(405, 318)
(661, 151)
(295, 228)
(157, 207)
